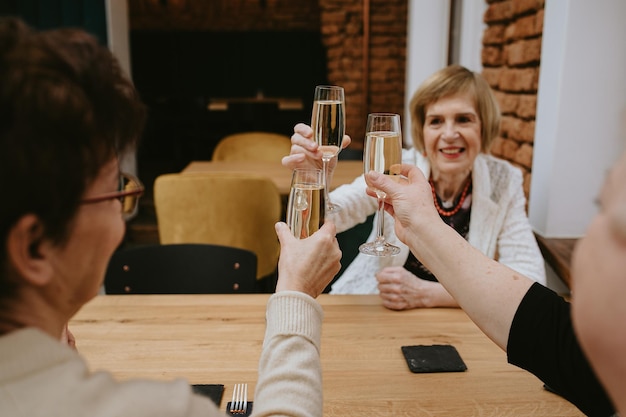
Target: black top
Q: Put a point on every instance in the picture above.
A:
(459, 221)
(543, 342)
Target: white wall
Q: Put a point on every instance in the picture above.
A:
(472, 29)
(427, 48)
(580, 109)
(118, 31)
(119, 44)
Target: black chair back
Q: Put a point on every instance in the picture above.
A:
(181, 269)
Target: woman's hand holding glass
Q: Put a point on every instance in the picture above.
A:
(306, 153)
(307, 265)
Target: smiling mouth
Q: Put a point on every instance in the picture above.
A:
(452, 151)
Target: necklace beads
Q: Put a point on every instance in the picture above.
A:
(457, 207)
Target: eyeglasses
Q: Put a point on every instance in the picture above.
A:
(130, 189)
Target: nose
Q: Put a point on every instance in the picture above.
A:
(449, 131)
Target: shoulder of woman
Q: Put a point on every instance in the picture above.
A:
(497, 167)
(410, 156)
(497, 177)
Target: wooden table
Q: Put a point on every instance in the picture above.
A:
(345, 171)
(218, 338)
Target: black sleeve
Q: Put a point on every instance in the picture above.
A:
(542, 341)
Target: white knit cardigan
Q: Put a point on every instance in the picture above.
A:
(499, 226)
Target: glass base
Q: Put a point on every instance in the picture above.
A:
(379, 249)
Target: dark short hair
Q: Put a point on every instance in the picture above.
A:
(448, 81)
(66, 109)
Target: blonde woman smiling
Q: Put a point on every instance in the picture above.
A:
(455, 119)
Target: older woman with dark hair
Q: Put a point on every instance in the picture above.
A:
(66, 112)
(455, 119)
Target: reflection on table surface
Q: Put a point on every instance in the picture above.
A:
(218, 338)
(345, 171)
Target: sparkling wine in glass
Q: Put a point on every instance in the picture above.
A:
(306, 206)
(383, 153)
(328, 124)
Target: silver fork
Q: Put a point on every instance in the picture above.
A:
(239, 403)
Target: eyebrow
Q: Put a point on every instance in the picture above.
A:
(470, 113)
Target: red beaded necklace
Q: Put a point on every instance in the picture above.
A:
(458, 206)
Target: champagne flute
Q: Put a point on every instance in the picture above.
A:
(383, 153)
(306, 205)
(328, 124)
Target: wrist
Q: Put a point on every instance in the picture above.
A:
(297, 286)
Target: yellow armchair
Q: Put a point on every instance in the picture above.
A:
(229, 209)
(252, 146)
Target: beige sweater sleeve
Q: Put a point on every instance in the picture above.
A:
(290, 374)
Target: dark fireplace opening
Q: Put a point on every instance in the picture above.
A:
(200, 86)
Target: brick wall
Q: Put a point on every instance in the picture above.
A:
(344, 32)
(511, 57)
(342, 35)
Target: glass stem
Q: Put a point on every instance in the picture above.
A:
(380, 223)
(325, 174)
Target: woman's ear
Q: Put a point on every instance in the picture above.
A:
(25, 242)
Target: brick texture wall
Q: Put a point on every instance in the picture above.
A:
(511, 57)
(344, 31)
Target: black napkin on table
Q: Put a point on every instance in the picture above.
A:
(212, 391)
(433, 358)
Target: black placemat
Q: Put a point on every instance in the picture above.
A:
(213, 391)
(433, 358)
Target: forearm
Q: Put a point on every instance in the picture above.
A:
(289, 369)
(442, 298)
(488, 291)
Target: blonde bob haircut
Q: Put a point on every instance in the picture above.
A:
(450, 81)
